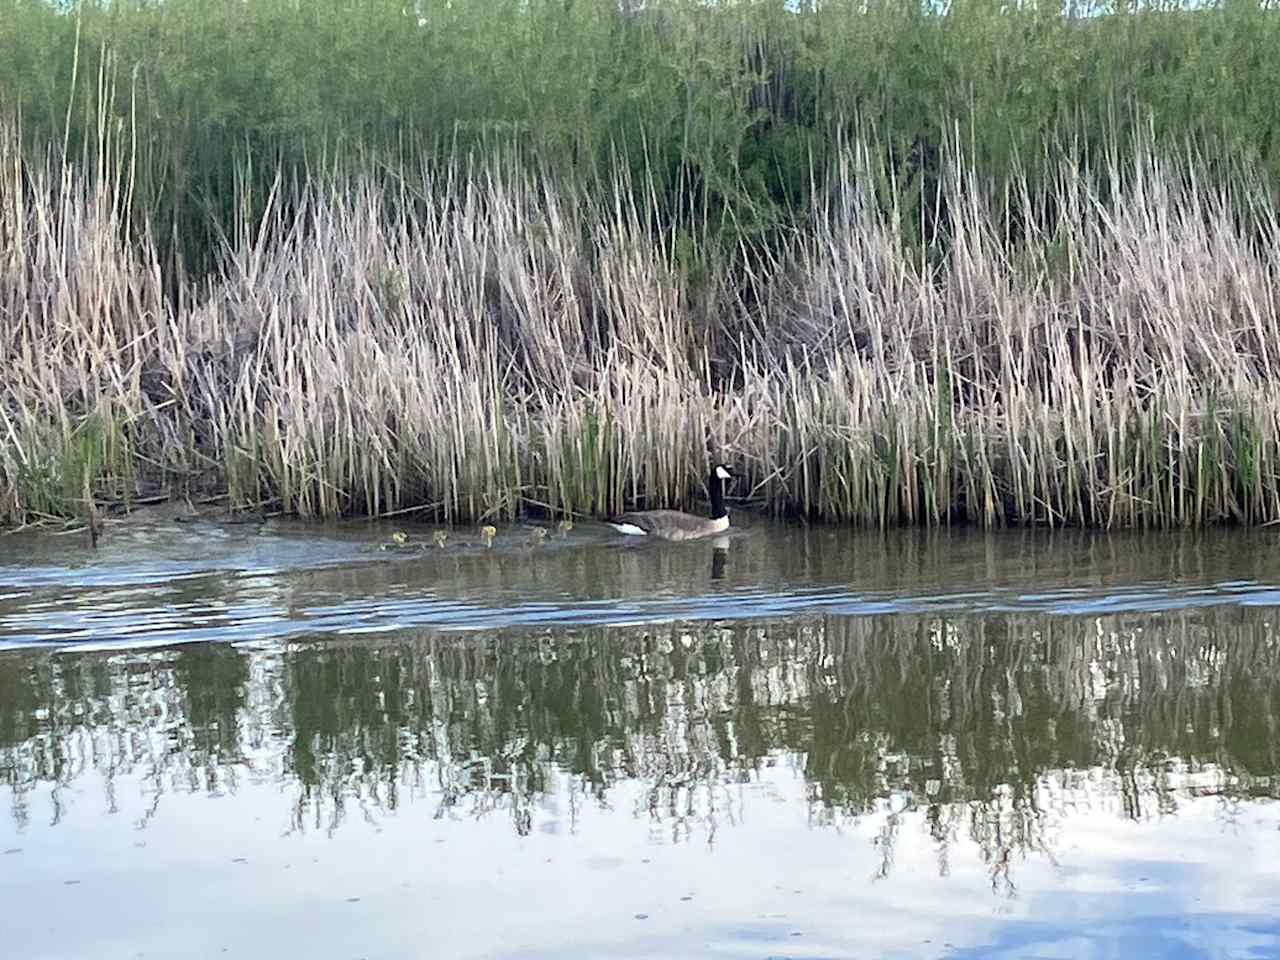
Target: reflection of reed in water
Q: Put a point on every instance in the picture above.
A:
(991, 727)
(169, 719)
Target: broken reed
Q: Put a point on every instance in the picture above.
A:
(488, 337)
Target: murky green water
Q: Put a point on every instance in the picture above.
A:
(282, 741)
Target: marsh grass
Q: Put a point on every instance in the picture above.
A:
(490, 337)
(722, 107)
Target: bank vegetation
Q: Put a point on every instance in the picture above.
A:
(901, 265)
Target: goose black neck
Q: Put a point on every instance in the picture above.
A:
(717, 497)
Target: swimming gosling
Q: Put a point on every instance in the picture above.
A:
(676, 525)
(487, 533)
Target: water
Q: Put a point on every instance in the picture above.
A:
(281, 740)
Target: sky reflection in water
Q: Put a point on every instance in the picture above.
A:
(966, 781)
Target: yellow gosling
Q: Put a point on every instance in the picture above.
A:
(487, 533)
(564, 526)
(439, 537)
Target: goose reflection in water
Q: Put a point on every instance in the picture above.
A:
(719, 557)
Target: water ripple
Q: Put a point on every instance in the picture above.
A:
(239, 590)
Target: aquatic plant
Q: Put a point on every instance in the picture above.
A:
(892, 302)
(489, 337)
(723, 107)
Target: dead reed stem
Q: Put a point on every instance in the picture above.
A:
(489, 336)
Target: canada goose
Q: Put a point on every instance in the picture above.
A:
(95, 525)
(675, 525)
(95, 518)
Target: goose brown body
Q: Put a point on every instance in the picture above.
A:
(676, 524)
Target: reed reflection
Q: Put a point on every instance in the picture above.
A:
(991, 727)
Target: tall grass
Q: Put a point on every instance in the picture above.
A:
(909, 263)
(489, 336)
(726, 102)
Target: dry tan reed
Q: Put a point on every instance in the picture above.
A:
(490, 337)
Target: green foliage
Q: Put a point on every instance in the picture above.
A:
(726, 107)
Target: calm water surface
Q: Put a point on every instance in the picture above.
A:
(280, 740)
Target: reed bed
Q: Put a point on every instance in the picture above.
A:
(488, 337)
(723, 104)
